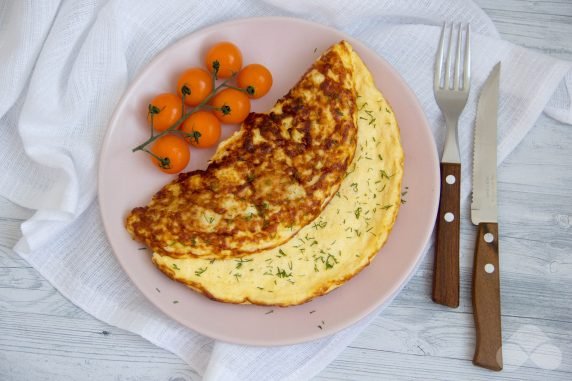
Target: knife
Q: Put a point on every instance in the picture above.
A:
(486, 271)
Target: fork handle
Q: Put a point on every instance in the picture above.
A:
(446, 270)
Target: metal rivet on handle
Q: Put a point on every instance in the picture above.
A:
(450, 179)
(489, 238)
(489, 268)
(449, 217)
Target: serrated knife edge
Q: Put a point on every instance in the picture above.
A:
(484, 200)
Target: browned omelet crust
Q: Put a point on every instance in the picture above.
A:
(268, 180)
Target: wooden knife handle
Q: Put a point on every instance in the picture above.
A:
(486, 298)
(446, 271)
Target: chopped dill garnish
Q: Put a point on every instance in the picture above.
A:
(354, 186)
(240, 261)
(357, 212)
(319, 224)
(236, 276)
(281, 253)
(175, 266)
(200, 271)
(281, 273)
(269, 312)
(330, 261)
(384, 174)
(209, 220)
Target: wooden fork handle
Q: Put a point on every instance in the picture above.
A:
(446, 270)
(486, 298)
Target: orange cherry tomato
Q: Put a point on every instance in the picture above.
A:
(256, 79)
(173, 152)
(227, 55)
(198, 84)
(204, 129)
(233, 106)
(165, 109)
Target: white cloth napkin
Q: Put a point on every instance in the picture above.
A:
(66, 63)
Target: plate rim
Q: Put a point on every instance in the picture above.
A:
(356, 317)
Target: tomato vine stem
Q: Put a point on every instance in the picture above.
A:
(175, 126)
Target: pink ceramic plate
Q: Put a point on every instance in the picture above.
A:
(126, 180)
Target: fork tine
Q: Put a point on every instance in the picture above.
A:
(458, 58)
(439, 59)
(448, 63)
(467, 68)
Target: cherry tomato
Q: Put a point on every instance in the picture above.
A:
(204, 128)
(256, 79)
(173, 152)
(198, 84)
(166, 109)
(234, 103)
(228, 57)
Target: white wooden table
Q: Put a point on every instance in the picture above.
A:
(45, 337)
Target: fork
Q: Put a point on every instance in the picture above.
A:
(451, 96)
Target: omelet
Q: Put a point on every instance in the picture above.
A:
(336, 245)
(268, 180)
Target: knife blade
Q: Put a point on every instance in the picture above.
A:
(486, 271)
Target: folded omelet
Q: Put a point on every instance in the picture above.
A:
(336, 245)
(267, 181)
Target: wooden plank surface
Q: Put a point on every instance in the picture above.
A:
(45, 337)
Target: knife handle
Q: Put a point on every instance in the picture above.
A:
(446, 270)
(486, 298)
